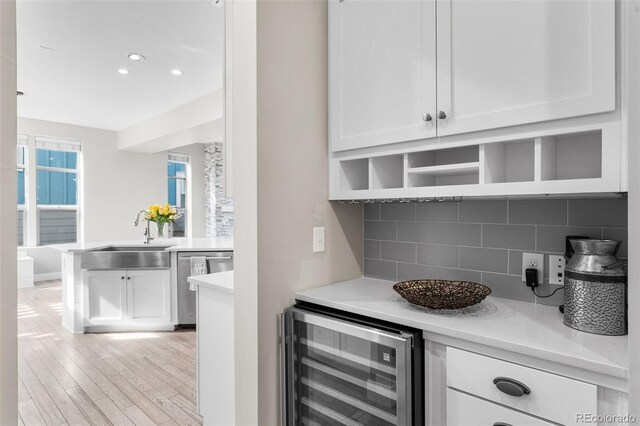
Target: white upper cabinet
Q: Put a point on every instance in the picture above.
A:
(505, 63)
(382, 72)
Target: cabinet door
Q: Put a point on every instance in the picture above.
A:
(381, 72)
(148, 296)
(105, 297)
(504, 63)
(463, 409)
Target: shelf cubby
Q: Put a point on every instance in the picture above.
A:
(512, 161)
(387, 172)
(571, 156)
(354, 174)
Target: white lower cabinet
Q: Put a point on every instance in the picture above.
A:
(105, 297)
(148, 296)
(118, 299)
(463, 409)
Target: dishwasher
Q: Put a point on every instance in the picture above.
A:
(216, 262)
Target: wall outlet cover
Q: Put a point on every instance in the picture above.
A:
(557, 264)
(533, 261)
(318, 239)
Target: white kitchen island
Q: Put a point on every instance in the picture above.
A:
(215, 348)
(125, 299)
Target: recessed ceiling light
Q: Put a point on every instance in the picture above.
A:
(135, 57)
(176, 72)
(123, 71)
(20, 93)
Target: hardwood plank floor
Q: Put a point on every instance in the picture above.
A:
(102, 378)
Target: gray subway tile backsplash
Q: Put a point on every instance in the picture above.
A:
(483, 211)
(412, 271)
(538, 212)
(507, 286)
(457, 274)
(598, 212)
(417, 232)
(482, 240)
(552, 238)
(380, 230)
(461, 234)
(484, 259)
(522, 237)
(371, 249)
(398, 211)
(372, 211)
(437, 212)
(398, 251)
(382, 269)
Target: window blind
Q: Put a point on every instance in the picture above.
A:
(176, 156)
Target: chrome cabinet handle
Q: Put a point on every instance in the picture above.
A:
(128, 278)
(502, 424)
(511, 387)
(122, 278)
(426, 117)
(442, 115)
(219, 258)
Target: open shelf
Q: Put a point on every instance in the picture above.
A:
(387, 172)
(354, 174)
(572, 156)
(512, 161)
(453, 166)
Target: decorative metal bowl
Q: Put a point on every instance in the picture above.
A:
(442, 294)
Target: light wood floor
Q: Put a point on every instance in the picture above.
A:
(100, 379)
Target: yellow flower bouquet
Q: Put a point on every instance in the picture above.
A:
(161, 215)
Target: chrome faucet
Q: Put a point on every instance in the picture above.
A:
(147, 234)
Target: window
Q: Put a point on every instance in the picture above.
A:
(22, 173)
(57, 191)
(177, 190)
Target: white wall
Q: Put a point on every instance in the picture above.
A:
(289, 151)
(116, 185)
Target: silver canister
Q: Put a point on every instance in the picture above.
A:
(595, 288)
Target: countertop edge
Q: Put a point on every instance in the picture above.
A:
(221, 281)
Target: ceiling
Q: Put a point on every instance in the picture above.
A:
(69, 53)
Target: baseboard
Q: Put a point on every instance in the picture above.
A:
(49, 276)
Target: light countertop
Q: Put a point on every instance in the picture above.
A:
(222, 281)
(526, 328)
(173, 244)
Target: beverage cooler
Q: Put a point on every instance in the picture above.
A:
(343, 369)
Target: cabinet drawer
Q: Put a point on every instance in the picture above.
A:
(550, 396)
(463, 409)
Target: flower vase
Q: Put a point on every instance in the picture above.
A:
(161, 230)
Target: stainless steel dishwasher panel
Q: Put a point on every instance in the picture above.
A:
(218, 261)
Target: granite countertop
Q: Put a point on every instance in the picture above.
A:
(222, 281)
(527, 328)
(173, 244)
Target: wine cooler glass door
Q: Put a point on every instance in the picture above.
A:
(343, 373)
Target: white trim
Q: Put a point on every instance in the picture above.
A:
(23, 140)
(58, 144)
(178, 157)
(47, 276)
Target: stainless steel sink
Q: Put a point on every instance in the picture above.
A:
(126, 257)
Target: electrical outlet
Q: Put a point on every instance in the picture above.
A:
(533, 261)
(556, 269)
(318, 239)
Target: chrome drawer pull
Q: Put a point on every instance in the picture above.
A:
(511, 387)
(502, 424)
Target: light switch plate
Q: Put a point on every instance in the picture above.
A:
(533, 261)
(556, 269)
(318, 239)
